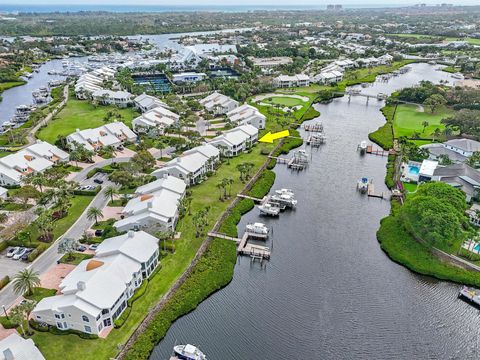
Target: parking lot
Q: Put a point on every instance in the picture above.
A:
(10, 267)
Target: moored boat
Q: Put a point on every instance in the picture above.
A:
(285, 199)
(363, 146)
(362, 185)
(269, 209)
(257, 228)
(285, 191)
(188, 352)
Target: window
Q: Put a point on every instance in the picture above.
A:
(57, 316)
(59, 325)
(85, 318)
(39, 317)
(88, 329)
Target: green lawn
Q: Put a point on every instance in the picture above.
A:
(80, 114)
(76, 259)
(284, 101)
(410, 187)
(8, 85)
(39, 293)
(408, 120)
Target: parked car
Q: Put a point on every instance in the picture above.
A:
(98, 181)
(98, 232)
(81, 248)
(25, 256)
(19, 254)
(12, 251)
(93, 247)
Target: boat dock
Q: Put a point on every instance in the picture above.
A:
(376, 151)
(371, 191)
(316, 140)
(256, 252)
(295, 163)
(256, 200)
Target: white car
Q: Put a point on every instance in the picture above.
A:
(20, 253)
(93, 247)
(13, 251)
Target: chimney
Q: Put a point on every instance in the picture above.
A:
(179, 159)
(131, 234)
(8, 354)
(81, 285)
(165, 176)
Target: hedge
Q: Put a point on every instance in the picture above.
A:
(4, 281)
(87, 192)
(137, 295)
(37, 251)
(7, 323)
(3, 245)
(55, 331)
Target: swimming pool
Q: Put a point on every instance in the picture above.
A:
(413, 170)
(477, 248)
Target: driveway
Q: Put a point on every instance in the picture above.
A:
(10, 267)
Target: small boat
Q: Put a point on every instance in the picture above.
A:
(269, 209)
(381, 96)
(188, 352)
(285, 199)
(363, 147)
(285, 191)
(362, 185)
(458, 76)
(257, 228)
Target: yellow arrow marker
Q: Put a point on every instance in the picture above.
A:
(269, 137)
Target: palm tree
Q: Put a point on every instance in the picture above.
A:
(25, 281)
(94, 213)
(436, 133)
(220, 185)
(424, 124)
(110, 192)
(3, 217)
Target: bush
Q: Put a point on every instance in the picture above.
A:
(3, 245)
(263, 184)
(229, 225)
(7, 323)
(87, 192)
(37, 326)
(37, 251)
(4, 281)
(55, 331)
(389, 176)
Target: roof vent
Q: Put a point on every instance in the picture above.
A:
(131, 234)
(81, 285)
(8, 354)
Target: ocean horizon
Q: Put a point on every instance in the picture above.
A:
(33, 8)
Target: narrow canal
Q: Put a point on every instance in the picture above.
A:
(329, 292)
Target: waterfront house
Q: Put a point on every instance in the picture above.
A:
(15, 347)
(247, 114)
(157, 118)
(113, 134)
(192, 166)
(267, 64)
(3, 193)
(461, 176)
(457, 150)
(287, 81)
(146, 102)
(34, 158)
(218, 103)
(155, 208)
(328, 77)
(427, 170)
(91, 82)
(96, 292)
(235, 141)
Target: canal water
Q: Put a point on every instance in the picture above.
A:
(329, 292)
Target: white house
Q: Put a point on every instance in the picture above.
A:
(146, 102)
(192, 166)
(34, 158)
(328, 77)
(91, 82)
(235, 141)
(3, 193)
(287, 81)
(218, 103)
(108, 97)
(14, 347)
(158, 118)
(113, 134)
(96, 292)
(155, 208)
(247, 114)
(188, 77)
(465, 147)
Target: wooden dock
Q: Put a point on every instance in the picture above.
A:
(317, 127)
(377, 151)
(371, 191)
(257, 200)
(244, 247)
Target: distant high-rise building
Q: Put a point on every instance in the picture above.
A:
(334, 7)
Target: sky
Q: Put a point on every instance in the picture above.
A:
(315, 3)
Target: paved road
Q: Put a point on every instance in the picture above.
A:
(51, 255)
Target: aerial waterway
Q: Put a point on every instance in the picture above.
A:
(329, 291)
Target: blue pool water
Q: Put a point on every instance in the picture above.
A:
(477, 247)
(413, 170)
